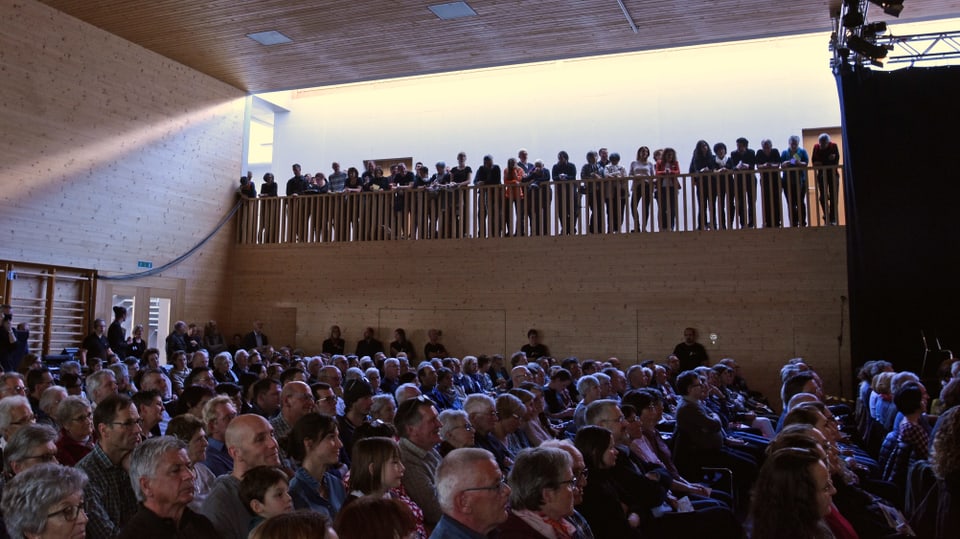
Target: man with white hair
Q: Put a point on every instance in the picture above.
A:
(11, 385)
(406, 392)
(162, 479)
(101, 385)
(391, 375)
(218, 413)
(473, 495)
(15, 413)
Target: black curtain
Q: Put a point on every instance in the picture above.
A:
(902, 187)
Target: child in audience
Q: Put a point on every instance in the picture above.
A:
(265, 492)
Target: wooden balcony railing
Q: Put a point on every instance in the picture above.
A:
(703, 201)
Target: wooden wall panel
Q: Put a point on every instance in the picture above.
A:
(110, 154)
(768, 295)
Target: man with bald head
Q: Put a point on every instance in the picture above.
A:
(473, 495)
(250, 441)
(295, 402)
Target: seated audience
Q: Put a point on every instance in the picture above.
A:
(108, 497)
(455, 431)
(189, 430)
(249, 439)
(45, 501)
(295, 525)
(472, 493)
(162, 480)
(372, 517)
(315, 444)
(938, 516)
(792, 496)
(418, 425)
(542, 493)
(265, 491)
(30, 446)
(76, 430)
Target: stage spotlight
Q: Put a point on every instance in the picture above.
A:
(866, 49)
(853, 18)
(874, 29)
(890, 7)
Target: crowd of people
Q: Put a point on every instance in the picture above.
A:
(268, 442)
(532, 198)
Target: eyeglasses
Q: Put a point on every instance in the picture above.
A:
(331, 398)
(499, 487)
(85, 417)
(69, 513)
(129, 424)
(25, 421)
(468, 428)
(19, 389)
(582, 474)
(46, 457)
(572, 482)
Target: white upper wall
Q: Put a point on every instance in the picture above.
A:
(769, 88)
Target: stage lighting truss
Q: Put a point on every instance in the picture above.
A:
(855, 41)
(937, 47)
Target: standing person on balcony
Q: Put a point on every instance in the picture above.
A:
(297, 184)
(460, 176)
(718, 186)
(742, 192)
(642, 171)
(537, 183)
(827, 154)
(614, 194)
(487, 210)
(768, 162)
(592, 170)
(513, 198)
(703, 161)
(568, 196)
(794, 161)
(667, 169)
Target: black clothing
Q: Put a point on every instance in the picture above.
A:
(296, 185)
(250, 340)
(96, 346)
(117, 339)
(431, 351)
(147, 525)
(691, 355)
(369, 347)
(405, 346)
(535, 351)
(333, 346)
(175, 342)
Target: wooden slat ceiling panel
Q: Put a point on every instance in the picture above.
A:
(338, 41)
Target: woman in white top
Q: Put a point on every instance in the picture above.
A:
(642, 171)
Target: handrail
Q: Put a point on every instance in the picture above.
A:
(718, 200)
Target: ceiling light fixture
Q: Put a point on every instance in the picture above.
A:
(890, 7)
(270, 37)
(452, 10)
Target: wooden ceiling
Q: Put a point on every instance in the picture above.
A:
(340, 41)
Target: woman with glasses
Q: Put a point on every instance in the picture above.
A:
(543, 489)
(44, 502)
(76, 428)
(456, 431)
